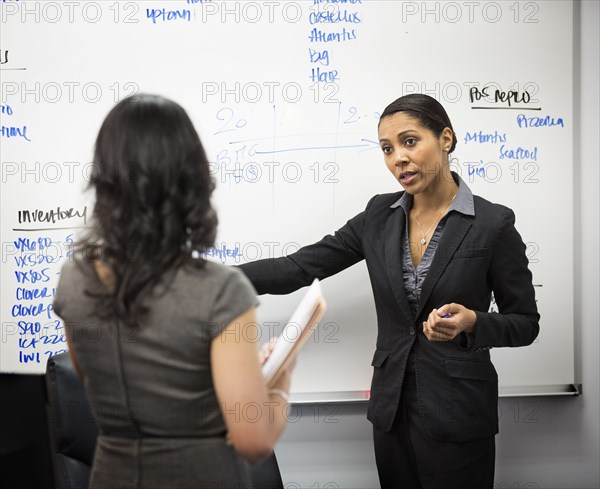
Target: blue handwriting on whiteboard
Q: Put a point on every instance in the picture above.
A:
(324, 76)
(49, 339)
(32, 277)
(24, 294)
(26, 244)
(20, 310)
(519, 153)
(222, 252)
(476, 169)
(26, 358)
(15, 132)
(32, 260)
(319, 56)
(165, 15)
(481, 137)
(331, 17)
(317, 35)
(524, 121)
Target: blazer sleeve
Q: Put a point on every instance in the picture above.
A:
(325, 258)
(517, 320)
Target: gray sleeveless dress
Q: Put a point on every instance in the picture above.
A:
(151, 387)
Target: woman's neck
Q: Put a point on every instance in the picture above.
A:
(437, 195)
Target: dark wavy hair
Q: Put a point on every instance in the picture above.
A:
(427, 110)
(153, 187)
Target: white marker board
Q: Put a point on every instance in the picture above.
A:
(286, 97)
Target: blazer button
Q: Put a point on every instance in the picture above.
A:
(412, 331)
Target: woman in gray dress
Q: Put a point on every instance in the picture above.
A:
(165, 341)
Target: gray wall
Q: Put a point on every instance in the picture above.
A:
(543, 442)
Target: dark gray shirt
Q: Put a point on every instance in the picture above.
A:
(151, 386)
(414, 277)
(163, 367)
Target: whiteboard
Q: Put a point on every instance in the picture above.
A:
(286, 98)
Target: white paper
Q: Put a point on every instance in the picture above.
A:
(293, 329)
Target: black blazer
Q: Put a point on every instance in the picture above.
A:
(457, 385)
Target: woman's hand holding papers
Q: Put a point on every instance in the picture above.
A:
(283, 382)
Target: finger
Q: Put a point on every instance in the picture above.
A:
(432, 318)
(450, 329)
(437, 337)
(449, 309)
(441, 334)
(438, 331)
(438, 315)
(429, 325)
(430, 332)
(426, 330)
(443, 313)
(442, 330)
(270, 345)
(436, 322)
(265, 352)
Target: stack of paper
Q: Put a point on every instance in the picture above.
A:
(296, 332)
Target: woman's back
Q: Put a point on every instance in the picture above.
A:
(151, 385)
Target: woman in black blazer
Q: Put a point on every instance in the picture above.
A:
(435, 253)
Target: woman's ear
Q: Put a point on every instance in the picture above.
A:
(446, 139)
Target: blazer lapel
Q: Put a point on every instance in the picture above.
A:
(394, 228)
(454, 232)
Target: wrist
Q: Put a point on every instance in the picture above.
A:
(471, 322)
